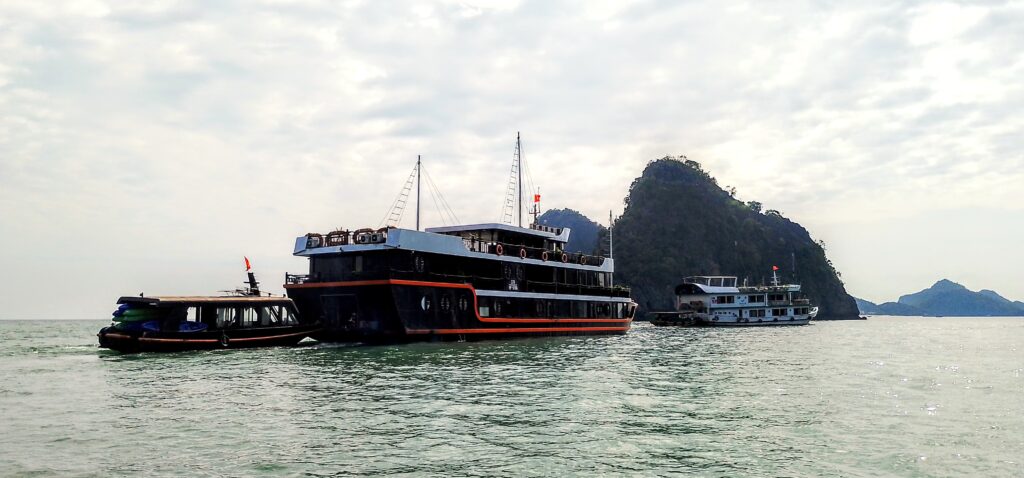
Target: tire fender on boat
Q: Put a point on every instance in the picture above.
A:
(224, 340)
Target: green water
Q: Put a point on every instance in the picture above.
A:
(885, 397)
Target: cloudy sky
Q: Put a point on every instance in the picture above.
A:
(147, 148)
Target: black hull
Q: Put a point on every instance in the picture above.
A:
(399, 311)
(134, 342)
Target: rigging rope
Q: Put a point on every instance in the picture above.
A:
(444, 208)
(397, 210)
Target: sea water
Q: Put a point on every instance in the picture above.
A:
(883, 397)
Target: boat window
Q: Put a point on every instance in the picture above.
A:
(729, 282)
(716, 282)
(192, 314)
(270, 315)
(484, 304)
(755, 299)
(288, 316)
(358, 267)
(250, 318)
(227, 317)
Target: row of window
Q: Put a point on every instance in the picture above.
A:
(509, 307)
(235, 317)
(751, 299)
(774, 312)
(382, 264)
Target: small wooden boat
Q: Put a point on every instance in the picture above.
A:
(174, 323)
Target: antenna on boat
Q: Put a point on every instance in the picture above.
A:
(611, 246)
(418, 167)
(519, 183)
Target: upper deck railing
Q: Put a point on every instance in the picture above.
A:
(485, 283)
(343, 237)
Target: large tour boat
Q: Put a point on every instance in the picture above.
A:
(718, 301)
(460, 282)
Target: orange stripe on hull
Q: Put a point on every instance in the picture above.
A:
(178, 341)
(449, 285)
(250, 339)
(519, 330)
(205, 341)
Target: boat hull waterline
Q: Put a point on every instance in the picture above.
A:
(145, 341)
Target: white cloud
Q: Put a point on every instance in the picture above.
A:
(149, 145)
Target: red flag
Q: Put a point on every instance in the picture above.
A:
(775, 268)
(536, 198)
(248, 267)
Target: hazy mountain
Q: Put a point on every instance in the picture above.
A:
(679, 222)
(896, 308)
(866, 306)
(995, 295)
(584, 233)
(947, 298)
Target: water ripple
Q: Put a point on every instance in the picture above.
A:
(914, 397)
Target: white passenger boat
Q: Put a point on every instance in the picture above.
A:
(719, 301)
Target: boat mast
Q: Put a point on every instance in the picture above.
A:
(519, 182)
(417, 192)
(611, 247)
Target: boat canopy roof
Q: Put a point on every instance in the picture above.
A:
(713, 281)
(556, 234)
(187, 301)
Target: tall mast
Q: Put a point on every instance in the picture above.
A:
(417, 192)
(519, 182)
(611, 247)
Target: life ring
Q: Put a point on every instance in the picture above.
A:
(544, 256)
(499, 250)
(565, 257)
(583, 259)
(522, 253)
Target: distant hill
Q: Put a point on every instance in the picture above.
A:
(584, 233)
(866, 306)
(896, 308)
(947, 298)
(679, 222)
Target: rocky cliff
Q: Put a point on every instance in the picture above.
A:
(679, 222)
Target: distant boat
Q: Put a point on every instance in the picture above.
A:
(716, 301)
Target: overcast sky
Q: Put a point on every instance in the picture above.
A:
(148, 148)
